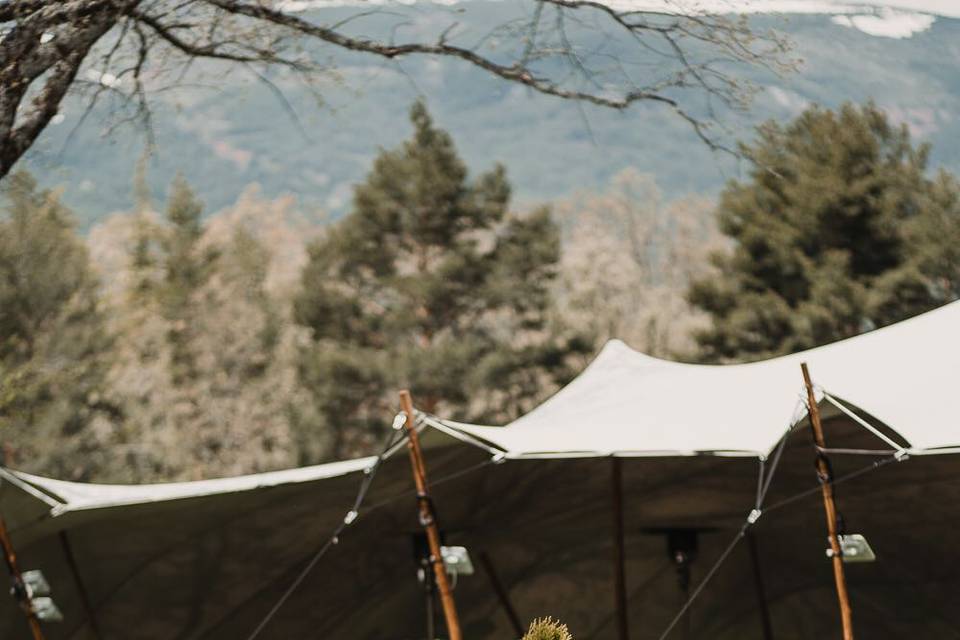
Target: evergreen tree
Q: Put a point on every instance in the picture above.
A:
(832, 236)
(430, 284)
(206, 351)
(186, 267)
(53, 341)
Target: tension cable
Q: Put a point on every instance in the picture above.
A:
(394, 438)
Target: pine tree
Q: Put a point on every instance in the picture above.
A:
(53, 342)
(832, 236)
(430, 284)
(206, 351)
(186, 267)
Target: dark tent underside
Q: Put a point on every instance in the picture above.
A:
(211, 567)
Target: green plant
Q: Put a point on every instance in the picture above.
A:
(547, 629)
(431, 284)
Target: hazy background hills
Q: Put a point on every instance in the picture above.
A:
(171, 343)
(226, 133)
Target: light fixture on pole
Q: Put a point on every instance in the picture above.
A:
(30, 589)
(457, 561)
(853, 548)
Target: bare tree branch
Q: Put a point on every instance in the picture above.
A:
(25, 58)
(592, 53)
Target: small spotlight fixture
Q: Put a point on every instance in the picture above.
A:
(457, 561)
(46, 609)
(854, 548)
(36, 583)
(36, 590)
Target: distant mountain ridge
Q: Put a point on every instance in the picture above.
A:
(239, 133)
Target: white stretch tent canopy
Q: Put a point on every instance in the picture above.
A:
(207, 560)
(905, 375)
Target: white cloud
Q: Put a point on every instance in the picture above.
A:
(888, 23)
(945, 8)
(885, 18)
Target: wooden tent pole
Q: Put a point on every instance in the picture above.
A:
(428, 519)
(19, 588)
(830, 508)
(619, 573)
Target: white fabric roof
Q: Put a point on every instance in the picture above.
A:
(628, 403)
(214, 555)
(625, 402)
(75, 496)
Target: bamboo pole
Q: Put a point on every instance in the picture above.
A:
(619, 574)
(428, 519)
(19, 588)
(830, 508)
